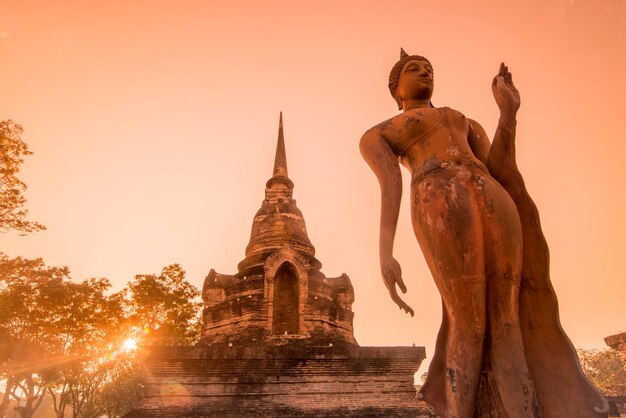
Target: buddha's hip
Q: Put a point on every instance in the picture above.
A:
(461, 194)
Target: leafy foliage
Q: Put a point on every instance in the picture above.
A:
(162, 308)
(51, 328)
(125, 387)
(12, 201)
(63, 338)
(112, 387)
(31, 300)
(605, 368)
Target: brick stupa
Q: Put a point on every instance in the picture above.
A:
(277, 336)
(279, 295)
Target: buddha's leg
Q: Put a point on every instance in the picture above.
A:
(447, 223)
(508, 373)
(435, 380)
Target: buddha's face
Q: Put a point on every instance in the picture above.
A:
(416, 81)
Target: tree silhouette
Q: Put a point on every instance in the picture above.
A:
(162, 308)
(12, 201)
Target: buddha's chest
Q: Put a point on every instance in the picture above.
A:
(426, 124)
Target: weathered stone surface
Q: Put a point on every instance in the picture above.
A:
(287, 380)
(617, 342)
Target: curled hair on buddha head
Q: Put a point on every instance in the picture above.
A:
(394, 75)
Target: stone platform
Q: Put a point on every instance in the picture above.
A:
(288, 380)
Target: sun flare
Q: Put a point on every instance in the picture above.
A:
(130, 345)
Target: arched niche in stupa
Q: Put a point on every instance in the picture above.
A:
(285, 315)
(286, 289)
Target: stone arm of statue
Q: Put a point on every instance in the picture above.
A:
(499, 157)
(384, 163)
(501, 161)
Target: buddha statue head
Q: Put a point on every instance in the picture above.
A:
(411, 77)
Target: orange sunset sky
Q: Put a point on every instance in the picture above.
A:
(154, 127)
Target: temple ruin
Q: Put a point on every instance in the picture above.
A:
(277, 336)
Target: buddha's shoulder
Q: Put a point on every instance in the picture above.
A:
(412, 121)
(386, 127)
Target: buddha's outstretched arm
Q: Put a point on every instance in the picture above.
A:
(384, 163)
(501, 160)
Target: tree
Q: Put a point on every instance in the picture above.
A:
(163, 309)
(12, 201)
(30, 304)
(112, 387)
(51, 328)
(93, 327)
(605, 368)
(124, 389)
(64, 339)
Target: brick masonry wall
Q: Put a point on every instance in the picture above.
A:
(309, 381)
(236, 308)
